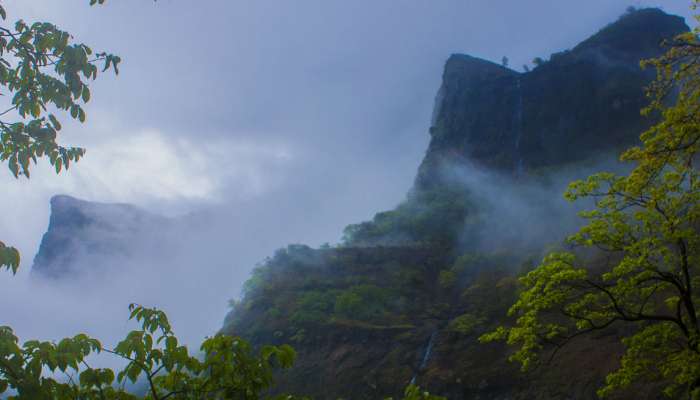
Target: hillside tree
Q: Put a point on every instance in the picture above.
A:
(45, 75)
(640, 264)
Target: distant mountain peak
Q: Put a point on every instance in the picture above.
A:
(80, 229)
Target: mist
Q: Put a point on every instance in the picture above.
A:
(251, 126)
(526, 214)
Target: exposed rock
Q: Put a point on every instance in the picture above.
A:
(578, 104)
(82, 232)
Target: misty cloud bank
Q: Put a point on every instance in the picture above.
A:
(527, 213)
(314, 117)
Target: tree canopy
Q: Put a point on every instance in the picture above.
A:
(45, 76)
(227, 369)
(638, 258)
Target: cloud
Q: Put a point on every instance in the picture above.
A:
(269, 122)
(148, 165)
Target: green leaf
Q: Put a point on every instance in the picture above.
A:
(86, 94)
(54, 122)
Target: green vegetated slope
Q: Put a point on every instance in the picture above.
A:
(407, 294)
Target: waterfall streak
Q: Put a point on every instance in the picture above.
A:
(518, 125)
(426, 356)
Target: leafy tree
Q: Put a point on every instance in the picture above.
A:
(43, 73)
(434, 217)
(313, 307)
(447, 279)
(465, 324)
(228, 368)
(414, 392)
(362, 302)
(644, 268)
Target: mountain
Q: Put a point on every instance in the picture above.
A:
(405, 296)
(83, 233)
(580, 102)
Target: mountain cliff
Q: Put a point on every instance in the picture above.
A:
(405, 296)
(579, 103)
(88, 233)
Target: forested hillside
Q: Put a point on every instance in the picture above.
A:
(406, 295)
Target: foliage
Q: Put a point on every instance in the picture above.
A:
(434, 217)
(468, 264)
(645, 228)
(41, 68)
(227, 369)
(9, 258)
(313, 307)
(43, 72)
(465, 324)
(478, 289)
(447, 279)
(361, 302)
(414, 392)
(350, 301)
(301, 288)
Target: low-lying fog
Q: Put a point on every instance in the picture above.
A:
(271, 122)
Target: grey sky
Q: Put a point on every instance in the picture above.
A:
(292, 118)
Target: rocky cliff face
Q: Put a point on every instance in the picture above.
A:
(86, 233)
(580, 103)
(406, 296)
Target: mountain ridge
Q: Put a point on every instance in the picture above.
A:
(589, 83)
(405, 296)
(98, 231)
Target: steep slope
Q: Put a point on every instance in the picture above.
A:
(404, 298)
(577, 104)
(83, 233)
(406, 295)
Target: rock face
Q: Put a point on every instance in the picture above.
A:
(579, 103)
(407, 295)
(80, 232)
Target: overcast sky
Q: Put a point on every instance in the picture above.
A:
(297, 117)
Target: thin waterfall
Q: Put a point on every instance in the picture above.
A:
(437, 107)
(426, 356)
(518, 126)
